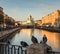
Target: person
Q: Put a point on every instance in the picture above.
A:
(44, 39)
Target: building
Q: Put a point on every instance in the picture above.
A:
(5, 20)
(38, 22)
(30, 20)
(52, 19)
(1, 15)
(8, 21)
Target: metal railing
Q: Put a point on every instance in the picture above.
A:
(15, 49)
(11, 49)
(53, 52)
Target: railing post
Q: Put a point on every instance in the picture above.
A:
(53, 52)
(18, 50)
(25, 51)
(11, 49)
(0, 49)
(8, 50)
(5, 49)
(21, 50)
(14, 50)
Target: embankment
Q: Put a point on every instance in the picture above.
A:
(4, 34)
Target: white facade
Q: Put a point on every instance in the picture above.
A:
(30, 20)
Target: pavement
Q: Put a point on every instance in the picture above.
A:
(3, 33)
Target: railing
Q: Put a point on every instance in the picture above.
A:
(11, 49)
(15, 49)
(53, 52)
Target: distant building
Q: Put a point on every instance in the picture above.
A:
(23, 22)
(5, 20)
(1, 15)
(8, 21)
(30, 20)
(38, 22)
(1, 10)
(52, 19)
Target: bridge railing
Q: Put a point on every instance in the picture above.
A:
(11, 49)
(15, 49)
(53, 52)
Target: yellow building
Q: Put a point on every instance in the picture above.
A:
(39, 22)
(52, 19)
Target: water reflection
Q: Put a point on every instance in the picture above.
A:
(26, 34)
(53, 40)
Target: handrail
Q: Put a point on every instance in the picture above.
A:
(8, 48)
(11, 49)
(50, 51)
(4, 43)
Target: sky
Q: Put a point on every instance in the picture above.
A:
(21, 9)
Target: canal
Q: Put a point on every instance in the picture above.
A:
(26, 34)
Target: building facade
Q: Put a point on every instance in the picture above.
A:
(5, 20)
(29, 21)
(38, 22)
(1, 15)
(52, 19)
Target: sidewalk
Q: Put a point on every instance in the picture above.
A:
(4, 33)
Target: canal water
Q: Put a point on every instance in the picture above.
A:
(26, 34)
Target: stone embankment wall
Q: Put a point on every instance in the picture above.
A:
(4, 34)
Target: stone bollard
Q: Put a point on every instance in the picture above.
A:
(37, 48)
